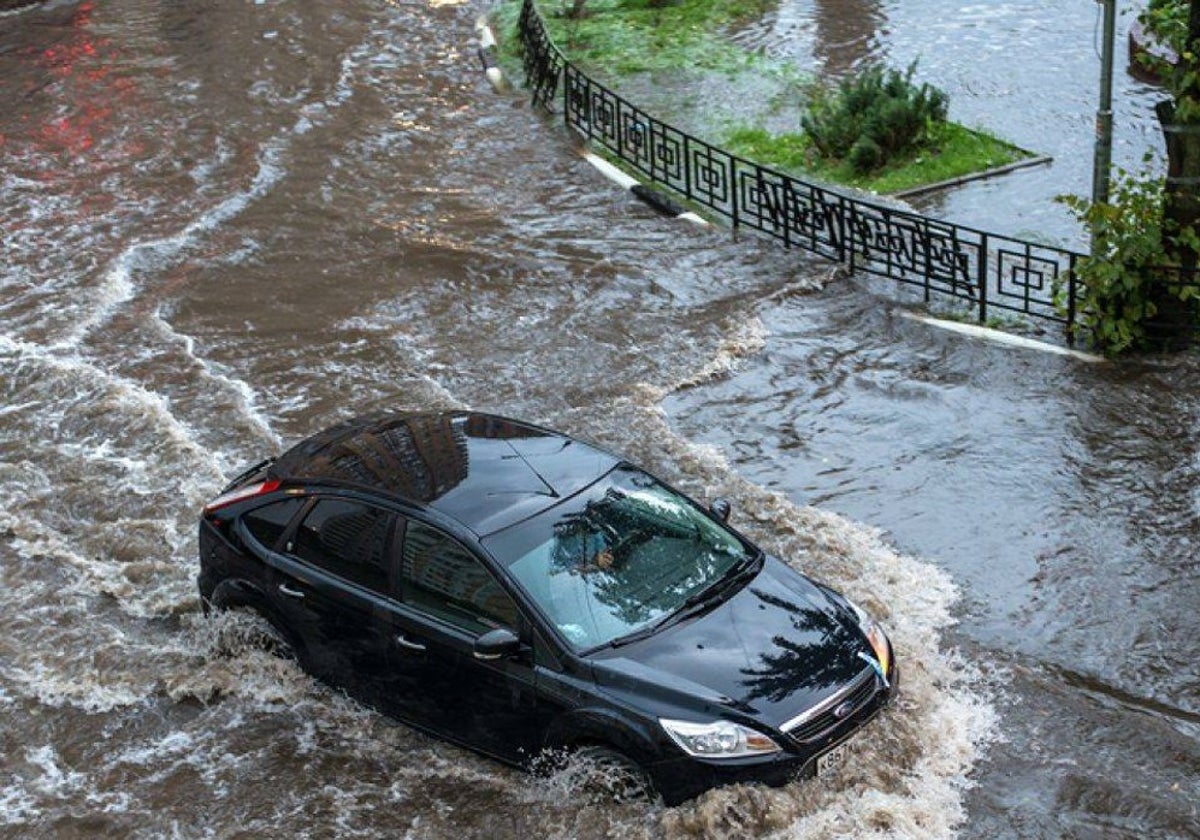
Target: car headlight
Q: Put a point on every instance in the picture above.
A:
(719, 739)
(878, 639)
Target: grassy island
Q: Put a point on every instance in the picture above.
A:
(673, 59)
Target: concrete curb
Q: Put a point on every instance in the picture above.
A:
(1039, 160)
(660, 202)
(487, 57)
(988, 334)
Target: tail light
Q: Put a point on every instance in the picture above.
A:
(249, 491)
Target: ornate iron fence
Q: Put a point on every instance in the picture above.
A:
(990, 273)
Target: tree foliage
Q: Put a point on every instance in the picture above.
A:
(1170, 22)
(1117, 295)
(1143, 240)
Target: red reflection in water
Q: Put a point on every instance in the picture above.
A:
(78, 70)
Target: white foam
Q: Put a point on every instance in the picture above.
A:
(744, 338)
(84, 689)
(21, 802)
(172, 744)
(54, 780)
(17, 805)
(149, 573)
(19, 407)
(244, 396)
(117, 287)
(129, 394)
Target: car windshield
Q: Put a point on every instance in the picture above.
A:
(617, 558)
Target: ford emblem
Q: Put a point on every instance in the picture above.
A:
(843, 710)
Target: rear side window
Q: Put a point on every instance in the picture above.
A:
(444, 579)
(347, 538)
(267, 523)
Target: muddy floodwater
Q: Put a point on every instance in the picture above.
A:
(228, 225)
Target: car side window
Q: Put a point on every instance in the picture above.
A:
(347, 538)
(443, 578)
(267, 523)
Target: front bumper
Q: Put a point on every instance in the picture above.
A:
(682, 777)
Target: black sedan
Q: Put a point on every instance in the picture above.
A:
(517, 591)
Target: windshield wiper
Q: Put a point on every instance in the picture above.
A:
(699, 602)
(745, 568)
(637, 635)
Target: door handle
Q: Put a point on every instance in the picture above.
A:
(291, 593)
(406, 642)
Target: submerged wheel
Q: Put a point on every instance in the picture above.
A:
(275, 639)
(249, 628)
(610, 775)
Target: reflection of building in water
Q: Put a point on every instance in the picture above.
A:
(846, 30)
(420, 457)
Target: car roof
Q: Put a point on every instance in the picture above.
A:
(484, 471)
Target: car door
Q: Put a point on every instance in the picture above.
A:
(450, 598)
(332, 582)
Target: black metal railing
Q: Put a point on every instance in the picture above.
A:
(992, 274)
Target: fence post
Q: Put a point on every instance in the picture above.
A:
(733, 193)
(785, 189)
(984, 256)
(687, 167)
(566, 93)
(847, 221)
(840, 222)
(1072, 290)
(923, 243)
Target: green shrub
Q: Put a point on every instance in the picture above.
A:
(865, 155)
(873, 117)
(1132, 243)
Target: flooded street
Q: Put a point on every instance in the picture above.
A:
(226, 227)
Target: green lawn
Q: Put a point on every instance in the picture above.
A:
(954, 151)
(622, 37)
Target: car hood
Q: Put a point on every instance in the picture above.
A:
(777, 647)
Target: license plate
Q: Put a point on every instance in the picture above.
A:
(829, 762)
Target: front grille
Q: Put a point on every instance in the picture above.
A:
(821, 718)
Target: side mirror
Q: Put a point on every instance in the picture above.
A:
(496, 644)
(721, 509)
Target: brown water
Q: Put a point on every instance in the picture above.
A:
(227, 227)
